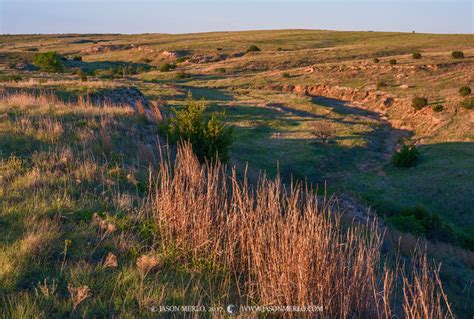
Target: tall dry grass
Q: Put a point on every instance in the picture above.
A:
(284, 247)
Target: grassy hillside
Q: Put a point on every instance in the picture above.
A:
(81, 143)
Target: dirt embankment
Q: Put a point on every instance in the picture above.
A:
(398, 111)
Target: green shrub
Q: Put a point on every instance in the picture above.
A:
(468, 103)
(182, 75)
(464, 91)
(393, 61)
(457, 54)
(32, 49)
(406, 156)
(419, 102)
(10, 78)
(381, 84)
(286, 75)
(417, 55)
(166, 67)
(48, 61)
(77, 58)
(376, 60)
(182, 59)
(221, 70)
(438, 108)
(253, 48)
(421, 222)
(208, 135)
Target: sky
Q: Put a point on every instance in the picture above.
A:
(189, 16)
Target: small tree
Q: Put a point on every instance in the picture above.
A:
(419, 102)
(457, 54)
(48, 61)
(417, 55)
(464, 91)
(324, 131)
(406, 156)
(208, 135)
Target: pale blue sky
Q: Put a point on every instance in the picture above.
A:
(185, 16)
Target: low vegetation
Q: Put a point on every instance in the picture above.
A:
(417, 55)
(49, 61)
(457, 54)
(468, 103)
(419, 103)
(464, 91)
(406, 156)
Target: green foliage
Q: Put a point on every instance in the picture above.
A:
(182, 59)
(393, 61)
(182, 75)
(253, 48)
(376, 60)
(77, 58)
(221, 70)
(417, 55)
(208, 135)
(166, 67)
(468, 103)
(286, 75)
(10, 78)
(407, 156)
(438, 108)
(419, 102)
(421, 222)
(49, 62)
(457, 54)
(464, 91)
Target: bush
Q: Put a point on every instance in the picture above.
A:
(419, 102)
(468, 103)
(77, 58)
(221, 70)
(48, 61)
(166, 67)
(253, 48)
(182, 59)
(407, 156)
(421, 222)
(381, 84)
(393, 61)
(208, 135)
(464, 91)
(457, 54)
(10, 78)
(376, 60)
(182, 75)
(286, 75)
(417, 55)
(438, 108)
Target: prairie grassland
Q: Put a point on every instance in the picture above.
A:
(99, 219)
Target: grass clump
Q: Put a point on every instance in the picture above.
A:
(417, 55)
(286, 75)
(49, 62)
(438, 108)
(406, 156)
(464, 91)
(419, 102)
(221, 70)
(381, 84)
(393, 61)
(376, 60)
(208, 135)
(457, 54)
(468, 103)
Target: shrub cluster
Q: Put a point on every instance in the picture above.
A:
(438, 108)
(417, 55)
(393, 61)
(457, 54)
(407, 156)
(49, 62)
(376, 60)
(419, 102)
(286, 75)
(464, 91)
(421, 222)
